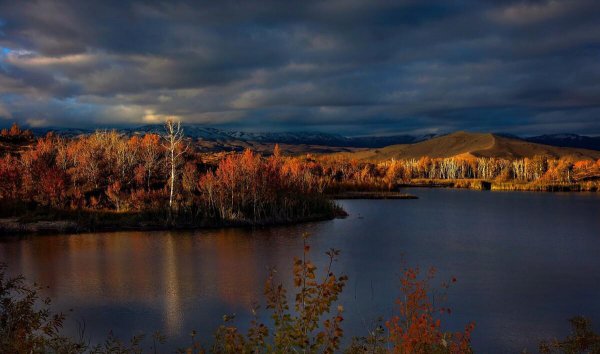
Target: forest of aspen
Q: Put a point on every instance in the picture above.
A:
(166, 178)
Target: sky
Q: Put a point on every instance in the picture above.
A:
(349, 67)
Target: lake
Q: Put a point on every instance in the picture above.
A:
(525, 263)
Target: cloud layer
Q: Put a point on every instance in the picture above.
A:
(353, 67)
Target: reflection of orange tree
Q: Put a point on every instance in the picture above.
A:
(109, 267)
(236, 268)
(113, 267)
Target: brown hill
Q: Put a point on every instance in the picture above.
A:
(471, 144)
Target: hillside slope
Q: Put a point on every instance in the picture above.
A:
(471, 144)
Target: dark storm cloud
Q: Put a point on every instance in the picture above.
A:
(355, 67)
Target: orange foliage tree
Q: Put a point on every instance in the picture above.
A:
(417, 326)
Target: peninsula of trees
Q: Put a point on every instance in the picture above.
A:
(108, 181)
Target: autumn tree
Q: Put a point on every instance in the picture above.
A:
(416, 328)
(15, 130)
(9, 175)
(150, 155)
(114, 193)
(583, 339)
(16, 134)
(393, 173)
(311, 323)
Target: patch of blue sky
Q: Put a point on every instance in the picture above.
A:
(3, 53)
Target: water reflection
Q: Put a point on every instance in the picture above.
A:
(525, 263)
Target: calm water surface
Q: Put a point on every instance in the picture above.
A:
(525, 263)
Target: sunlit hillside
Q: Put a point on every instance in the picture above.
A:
(471, 144)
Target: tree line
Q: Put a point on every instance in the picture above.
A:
(539, 170)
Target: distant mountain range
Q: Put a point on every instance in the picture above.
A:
(568, 140)
(223, 138)
(292, 138)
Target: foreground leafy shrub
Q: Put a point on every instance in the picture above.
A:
(416, 327)
(582, 339)
(27, 324)
(306, 328)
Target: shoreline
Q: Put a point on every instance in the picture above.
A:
(111, 221)
(476, 184)
(14, 227)
(371, 195)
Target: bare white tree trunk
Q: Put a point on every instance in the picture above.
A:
(172, 178)
(175, 149)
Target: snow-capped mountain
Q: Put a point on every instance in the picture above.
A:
(293, 138)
